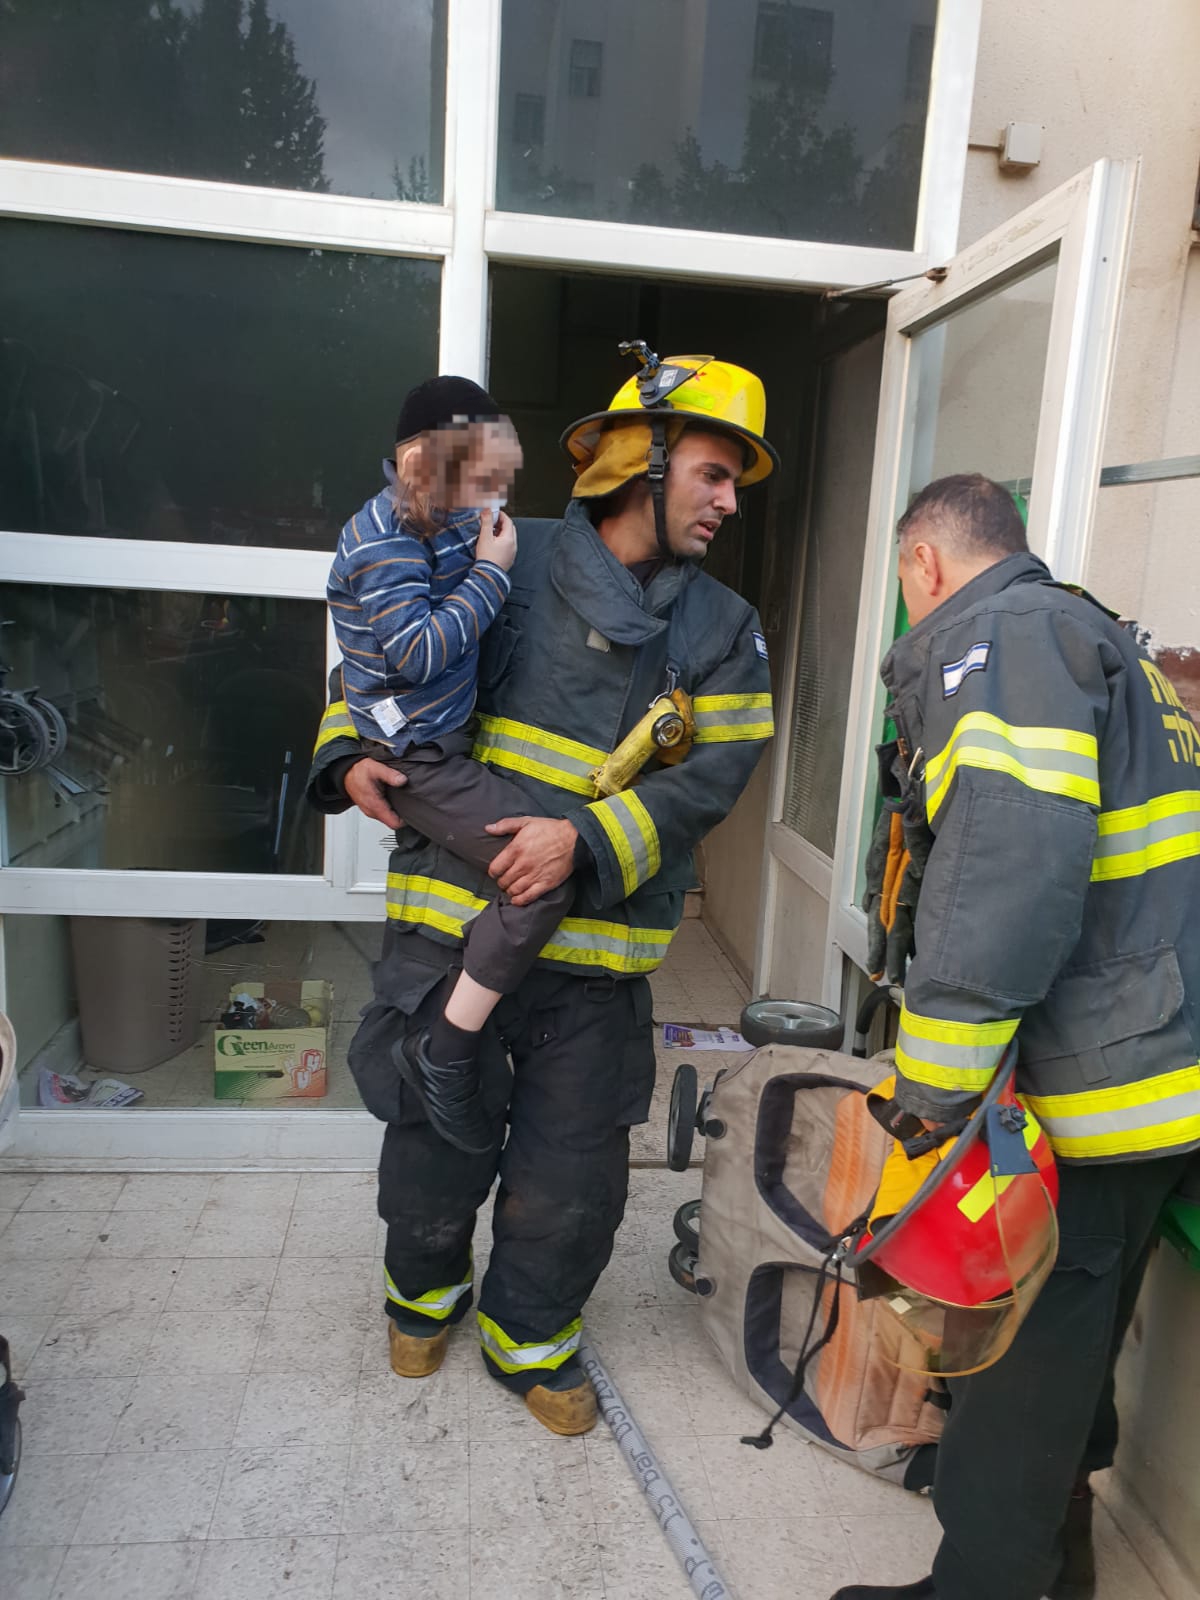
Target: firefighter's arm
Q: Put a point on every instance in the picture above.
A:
(337, 748)
(1012, 795)
(673, 808)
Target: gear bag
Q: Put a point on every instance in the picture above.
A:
(799, 1157)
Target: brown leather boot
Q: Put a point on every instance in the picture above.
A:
(415, 1355)
(565, 1403)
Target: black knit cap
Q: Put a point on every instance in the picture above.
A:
(440, 401)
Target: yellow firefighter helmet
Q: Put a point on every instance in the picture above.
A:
(610, 447)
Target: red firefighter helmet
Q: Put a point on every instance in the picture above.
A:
(961, 1238)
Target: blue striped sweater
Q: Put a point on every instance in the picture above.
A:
(409, 614)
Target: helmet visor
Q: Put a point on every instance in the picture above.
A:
(1018, 1238)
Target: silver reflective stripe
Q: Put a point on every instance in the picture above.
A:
(524, 748)
(1036, 758)
(1152, 1114)
(954, 1057)
(577, 941)
(646, 860)
(436, 1303)
(1147, 838)
(529, 1355)
(651, 948)
(740, 716)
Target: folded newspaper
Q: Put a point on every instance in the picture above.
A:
(676, 1037)
(63, 1089)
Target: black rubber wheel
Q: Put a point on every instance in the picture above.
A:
(681, 1264)
(681, 1119)
(795, 1022)
(687, 1225)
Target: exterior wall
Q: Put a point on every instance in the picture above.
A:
(1158, 1395)
(731, 869)
(1103, 86)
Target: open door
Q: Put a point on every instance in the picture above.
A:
(1002, 366)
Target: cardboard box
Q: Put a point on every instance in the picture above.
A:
(275, 1063)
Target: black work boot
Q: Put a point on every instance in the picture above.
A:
(921, 1590)
(1077, 1576)
(448, 1092)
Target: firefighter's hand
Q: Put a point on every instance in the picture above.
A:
(539, 856)
(370, 784)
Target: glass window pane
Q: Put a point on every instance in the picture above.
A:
(69, 982)
(286, 94)
(832, 579)
(739, 116)
(973, 405)
(978, 378)
(170, 732)
(160, 387)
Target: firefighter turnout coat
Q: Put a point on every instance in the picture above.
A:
(1060, 777)
(566, 671)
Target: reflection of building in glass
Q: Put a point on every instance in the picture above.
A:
(762, 118)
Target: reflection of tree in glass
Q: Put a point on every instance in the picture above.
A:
(795, 180)
(211, 90)
(414, 185)
(798, 177)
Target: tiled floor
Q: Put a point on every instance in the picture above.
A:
(211, 1415)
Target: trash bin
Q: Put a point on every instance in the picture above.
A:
(135, 981)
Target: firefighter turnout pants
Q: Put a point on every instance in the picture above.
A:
(569, 1063)
(1020, 1433)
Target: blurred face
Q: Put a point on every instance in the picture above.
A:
(700, 490)
(463, 466)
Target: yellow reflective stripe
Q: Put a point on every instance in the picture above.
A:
(335, 724)
(946, 1032)
(1050, 760)
(511, 1356)
(629, 829)
(1138, 839)
(1181, 1135)
(730, 702)
(982, 1196)
(958, 1056)
(1161, 1113)
(1122, 1097)
(588, 942)
(962, 1080)
(723, 718)
(549, 757)
(434, 1303)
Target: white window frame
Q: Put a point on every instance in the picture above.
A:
(465, 233)
(1086, 224)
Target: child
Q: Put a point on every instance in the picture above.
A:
(420, 573)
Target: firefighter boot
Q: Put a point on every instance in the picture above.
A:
(1077, 1576)
(566, 1402)
(922, 1590)
(448, 1093)
(416, 1355)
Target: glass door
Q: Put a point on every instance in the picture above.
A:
(999, 363)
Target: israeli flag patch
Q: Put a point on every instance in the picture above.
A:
(760, 644)
(953, 672)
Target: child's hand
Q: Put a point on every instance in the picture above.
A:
(497, 541)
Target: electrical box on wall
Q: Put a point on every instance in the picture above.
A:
(1020, 146)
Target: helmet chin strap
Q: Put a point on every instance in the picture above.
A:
(659, 460)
